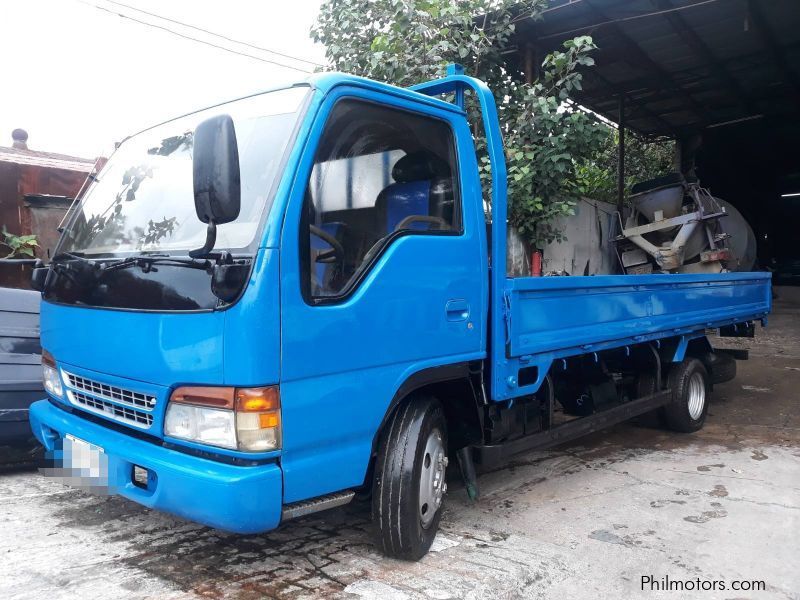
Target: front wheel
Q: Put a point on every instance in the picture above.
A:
(409, 487)
(689, 383)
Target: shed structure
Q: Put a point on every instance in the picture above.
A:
(722, 77)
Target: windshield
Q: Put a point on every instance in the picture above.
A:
(143, 200)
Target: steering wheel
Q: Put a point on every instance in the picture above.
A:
(335, 254)
(438, 221)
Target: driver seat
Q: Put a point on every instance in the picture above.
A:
(423, 186)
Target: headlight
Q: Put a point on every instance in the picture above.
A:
(204, 425)
(50, 376)
(245, 419)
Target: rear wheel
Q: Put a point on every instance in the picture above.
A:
(647, 384)
(409, 487)
(721, 366)
(689, 383)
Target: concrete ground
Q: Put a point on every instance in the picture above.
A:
(586, 520)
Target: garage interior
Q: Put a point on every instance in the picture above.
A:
(721, 77)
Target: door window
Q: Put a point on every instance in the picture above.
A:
(379, 173)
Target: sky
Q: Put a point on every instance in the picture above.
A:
(78, 78)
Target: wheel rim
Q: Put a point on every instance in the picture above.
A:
(432, 486)
(697, 395)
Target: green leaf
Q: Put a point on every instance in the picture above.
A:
(553, 154)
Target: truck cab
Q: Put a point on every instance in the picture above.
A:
(362, 237)
(261, 308)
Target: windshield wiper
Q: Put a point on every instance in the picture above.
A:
(77, 257)
(82, 265)
(147, 260)
(76, 268)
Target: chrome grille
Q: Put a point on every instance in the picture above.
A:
(120, 413)
(120, 404)
(111, 392)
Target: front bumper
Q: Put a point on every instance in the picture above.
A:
(241, 499)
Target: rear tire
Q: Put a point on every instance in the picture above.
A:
(409, 486)
(690, 387)
(721, 367)
(647, 384)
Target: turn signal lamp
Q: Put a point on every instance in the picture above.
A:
(258, 418)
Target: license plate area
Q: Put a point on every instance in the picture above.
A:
(83, 464)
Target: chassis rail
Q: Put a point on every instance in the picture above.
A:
(494, 454)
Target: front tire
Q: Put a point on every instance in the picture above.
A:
(409, 486)
(690, 387)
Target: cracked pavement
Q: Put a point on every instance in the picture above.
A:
(584, 520)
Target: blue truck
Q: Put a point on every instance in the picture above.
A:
(261, 309)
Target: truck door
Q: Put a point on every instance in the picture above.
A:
(383, 275)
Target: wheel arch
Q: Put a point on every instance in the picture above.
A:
(721, 366)
(458, 387)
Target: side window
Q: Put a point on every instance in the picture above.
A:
(378, 173)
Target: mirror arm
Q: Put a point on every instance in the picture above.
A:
(211, 239)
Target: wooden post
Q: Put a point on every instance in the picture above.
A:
(529, 66)
(621, 156)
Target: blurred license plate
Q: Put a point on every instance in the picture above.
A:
(84, 459)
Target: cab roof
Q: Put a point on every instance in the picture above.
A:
(326, 82)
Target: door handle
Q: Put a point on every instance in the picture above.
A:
(457, 310)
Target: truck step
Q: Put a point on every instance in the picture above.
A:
(306, 507)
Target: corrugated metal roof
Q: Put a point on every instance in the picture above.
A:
(683, 65)
(45, 159)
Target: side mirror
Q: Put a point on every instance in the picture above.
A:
(39, 275)
(217, 187)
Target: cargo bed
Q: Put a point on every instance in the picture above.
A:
(550, 318)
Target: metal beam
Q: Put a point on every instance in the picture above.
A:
(764, 31)
(615, 91)
(494, 454)
(637, 54)
(601, 100)
(696, 43)
(621, 157)
(686, 76)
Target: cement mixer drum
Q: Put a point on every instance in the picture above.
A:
(742, 240)
(676, 223)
